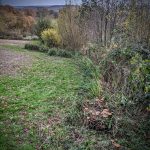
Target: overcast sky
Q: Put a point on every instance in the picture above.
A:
(34, 2)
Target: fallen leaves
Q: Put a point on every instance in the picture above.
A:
(97, 114)
(99, 104)
(116, 145)
(106, 113)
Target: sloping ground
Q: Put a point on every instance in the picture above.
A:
(33, 105)
(41, 106)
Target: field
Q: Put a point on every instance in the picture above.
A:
(36, 92)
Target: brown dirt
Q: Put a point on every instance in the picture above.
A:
(12, 62)
(13, 42)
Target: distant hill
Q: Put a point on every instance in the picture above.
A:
(52, 7)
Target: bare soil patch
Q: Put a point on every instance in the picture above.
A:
(13, 42)
(12, 62)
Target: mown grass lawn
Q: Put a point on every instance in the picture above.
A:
(33, 104)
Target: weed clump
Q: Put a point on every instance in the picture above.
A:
(52, 52)
(59, 52)
(32, 47)
(36, 47)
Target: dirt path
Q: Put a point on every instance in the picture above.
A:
(13, 42)
(12, 62)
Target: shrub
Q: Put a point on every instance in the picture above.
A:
(42, 25)
(124, 71)
(36, 48)
(64, 53)
(32, 47)
(59, 52)
(51, 37)
(43, 49)
(52, 52)
(69, 27)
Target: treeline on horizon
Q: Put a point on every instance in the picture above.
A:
(18, 23)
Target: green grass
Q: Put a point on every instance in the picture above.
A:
(41, 108)
(14, 47)
(33, 102)
(36, 42)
